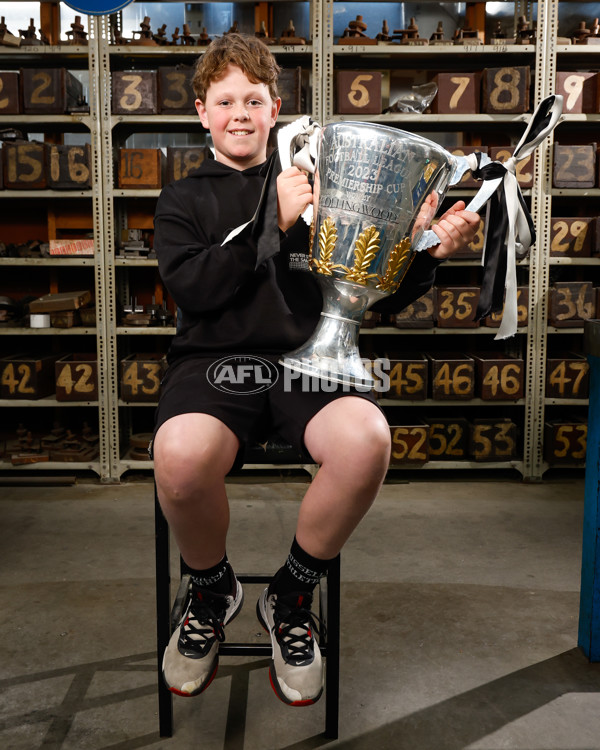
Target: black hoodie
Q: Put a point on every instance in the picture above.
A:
(253, 295)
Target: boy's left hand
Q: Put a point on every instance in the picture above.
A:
(456, 229)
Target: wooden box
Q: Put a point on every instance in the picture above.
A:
(10, 99)
(506, 90)
(358, 92)
(49, 91)
(456, 306)
(419, 314)
(524, 170)
(408, 376)
(565, 441)
(175, 93)
(65, 319)
(571, 237)
(494, 320)
(141, 168)
(567, 376)
(452, 376)
(458, 93)
(570, 303)
(182, 160)
(467, 181)
(77, 377)
(410, 444)
(574, 166)
(493, 439)
(68, 167)
(474, 250)
(500, 377)
(134, 92)
(448, 438)
(579, 91)
(27, 376)
(141, 375)
(370, 319)
(290, 90)
(59, 301)
(24, 165)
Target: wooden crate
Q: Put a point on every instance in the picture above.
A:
(134, 92)
(419, 314)
(68, 167)
(141, 168)
(571, 237)
(458, 93)
(570, 303)
(141, 375)
(49, 91)
(290, 90)
(565, 441)
(175, 93)
(524, 170)
(77, 377)
(506, 90)
(567, 376)
(59, 301)
(183, 160)
(574, 166)
(493, 439)
(27, 376)
(452, 376)
(579, 91)
(410, 444)
(10, 98)
(370, 319)
(24, 165)
(448, 438)
(358, 92)
(408, 376)
(500, 377)
(456, 306)
(494, 320)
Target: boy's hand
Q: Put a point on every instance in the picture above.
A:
(294, 193)
(456, 229)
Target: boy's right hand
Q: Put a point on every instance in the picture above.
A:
(294, 194)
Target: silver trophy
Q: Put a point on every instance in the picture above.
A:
(376, 191)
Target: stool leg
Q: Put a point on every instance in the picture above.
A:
(163, 616)
(332, 674)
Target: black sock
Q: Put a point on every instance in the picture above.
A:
(219, 578)
(301, 572)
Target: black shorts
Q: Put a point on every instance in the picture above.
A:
(280, 403)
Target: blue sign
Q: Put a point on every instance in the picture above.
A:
(97, 7)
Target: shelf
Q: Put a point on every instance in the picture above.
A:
(142, 50)
(425, 119)
(146, 331)
(458, 402)
(75, 331)
(74, 119)
(46, 401)
(57, 260)
(58, 50)
(430, 50)
(393, 331)
(46, 194)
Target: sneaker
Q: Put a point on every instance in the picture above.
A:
(191, 659)
(296, 669)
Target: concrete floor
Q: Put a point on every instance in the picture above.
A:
(459, 622)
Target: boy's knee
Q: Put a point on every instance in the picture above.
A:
(185, 468)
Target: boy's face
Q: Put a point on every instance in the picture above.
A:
(239, 115)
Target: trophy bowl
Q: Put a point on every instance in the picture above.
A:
(376, 191)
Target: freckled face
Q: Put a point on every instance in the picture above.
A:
(239, 115)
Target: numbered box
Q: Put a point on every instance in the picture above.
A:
(579, 91)
(358, 92)
(76, 377)
(141, 168)
(134, 92)
(570, 303)
(571, 237)
(494, 320)
(493, 439)
(456, 307)
(182, 161)
(448, 438)
(567, 376)
(24, 165)
(500, 377)
(467, 181)
(419, 314)
(524, 168)
(410, 444)
(408, 376)
(289, 86)
(52, 91)
(68, 167)
(175, 93)
(574, 166)
(370, 319)
(458, 93)
(474, 250)
(10, 99)
(506, 90)
(452, 376)
(141, 375)
(565, 441)
(27, 376)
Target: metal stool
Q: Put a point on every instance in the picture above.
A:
(167, 618)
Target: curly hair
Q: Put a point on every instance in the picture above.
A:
(247, 52)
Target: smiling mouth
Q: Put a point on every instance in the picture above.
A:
(239, 132)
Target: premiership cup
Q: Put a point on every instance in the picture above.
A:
(376, 191)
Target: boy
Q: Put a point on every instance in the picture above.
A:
(246, 297)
